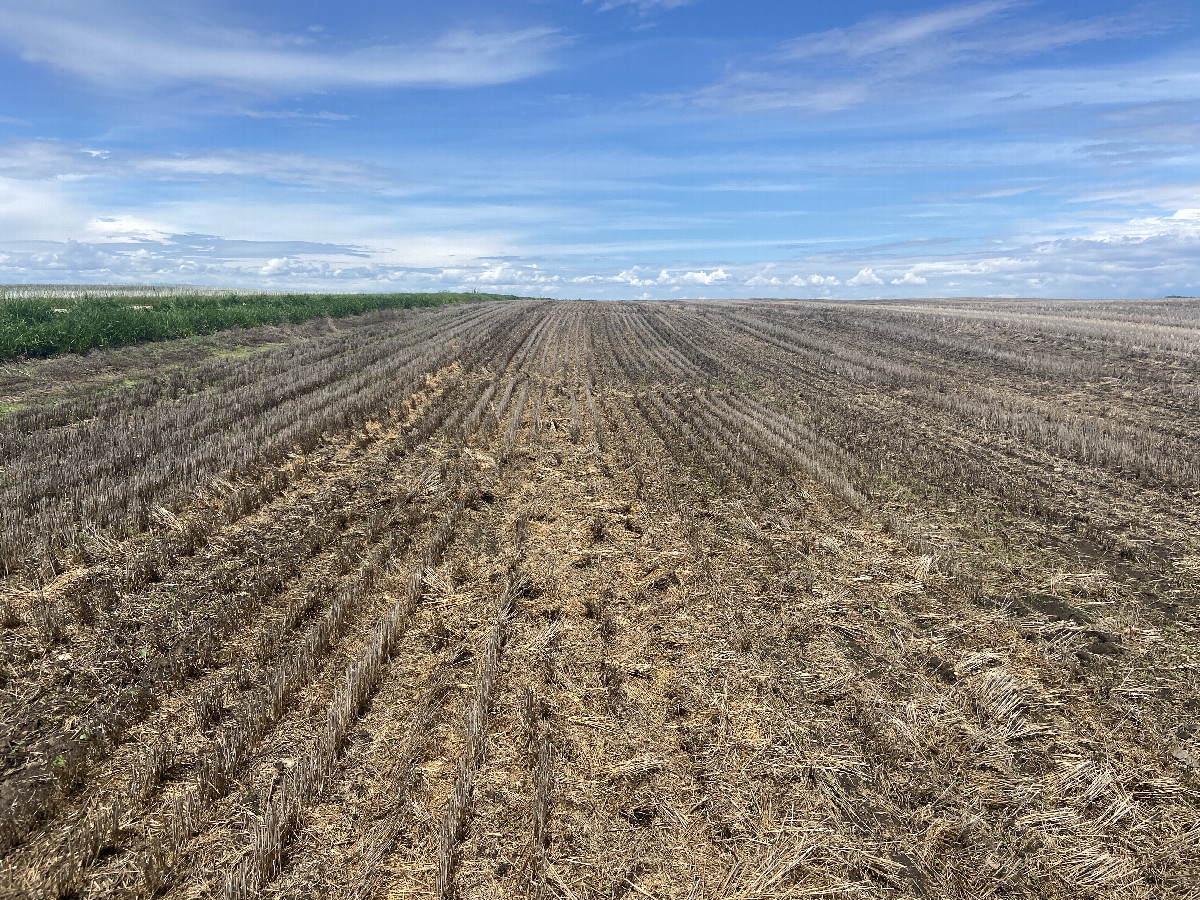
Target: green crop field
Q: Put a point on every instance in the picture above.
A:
(33, 325)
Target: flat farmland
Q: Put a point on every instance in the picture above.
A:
(605, 600)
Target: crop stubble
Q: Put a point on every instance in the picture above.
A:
(603, 600)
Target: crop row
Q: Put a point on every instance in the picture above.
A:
(192, 650)
(112, 469)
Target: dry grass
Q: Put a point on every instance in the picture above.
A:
(619, 601)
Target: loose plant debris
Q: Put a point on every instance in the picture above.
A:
(581, 600)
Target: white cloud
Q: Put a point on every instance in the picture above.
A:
(642, 276)
(276, 266)
(635, 277)
(504, 274)
(865, 277)
(1184, 223)
(1138, 241)
(715, 276)
(125, 228)
(35, 211)
(142, 49)
(1142, 257)
(814, 280)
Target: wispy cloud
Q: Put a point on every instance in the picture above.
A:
(1002, 193)
(1164, 195)
(893, 35)
(995, 30)
(884, 57)
(32, 211)
(321, 116)
(284, 168)
(60, 161)
(643, 6)
(134, 51)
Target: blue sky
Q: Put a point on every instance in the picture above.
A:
(605, 148)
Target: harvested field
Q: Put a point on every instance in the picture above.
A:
(590, 600)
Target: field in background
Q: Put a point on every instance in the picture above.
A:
(583, 600)
(73, 319)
